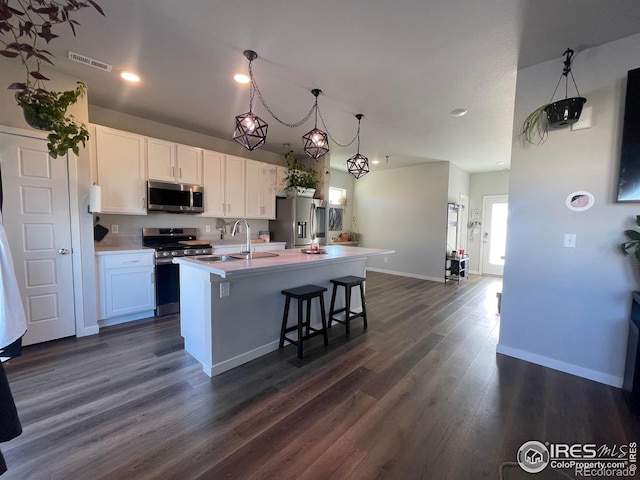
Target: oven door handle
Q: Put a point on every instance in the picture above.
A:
(164, 261)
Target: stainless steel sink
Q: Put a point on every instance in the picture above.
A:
(245, 256)
(216, 258)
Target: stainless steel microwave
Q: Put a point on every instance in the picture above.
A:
(174, 197)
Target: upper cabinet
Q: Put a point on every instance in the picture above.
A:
(260, 190)
(170, 162)
(234, 176)
(121, 171)
(224, 185)
(214, 188)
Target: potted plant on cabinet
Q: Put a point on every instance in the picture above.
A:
(300, 179)
(24, 24)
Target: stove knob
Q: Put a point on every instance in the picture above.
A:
(174, 253)
(186, 252)
(198, 252)
(165, 254)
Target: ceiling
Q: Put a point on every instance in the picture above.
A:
(405, 65)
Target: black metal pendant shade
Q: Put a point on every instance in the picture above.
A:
(250, 131)
(316, 142)
(358, 165)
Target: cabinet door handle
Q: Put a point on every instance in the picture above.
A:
(153, 278)
(179, 172)
(132, 261)
(173, 171)
(143, 203)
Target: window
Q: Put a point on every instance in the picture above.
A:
(336, 194)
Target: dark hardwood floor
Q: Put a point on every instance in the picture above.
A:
(421, 394)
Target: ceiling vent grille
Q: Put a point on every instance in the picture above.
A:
(90, 62)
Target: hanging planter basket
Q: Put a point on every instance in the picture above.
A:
(564, 112)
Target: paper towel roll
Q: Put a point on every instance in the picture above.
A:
(95, 199)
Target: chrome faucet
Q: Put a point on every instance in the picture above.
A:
(235, 230)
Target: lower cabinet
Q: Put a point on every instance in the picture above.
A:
(126, 286)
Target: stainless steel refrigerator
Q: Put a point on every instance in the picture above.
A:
(299, 221)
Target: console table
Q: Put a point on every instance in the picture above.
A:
(456, 268)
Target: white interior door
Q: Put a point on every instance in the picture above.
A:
(463, 233)
(37, 220)
(494, 234)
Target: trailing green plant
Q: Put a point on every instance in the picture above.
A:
(299, 175)
(535, 127)
(47, 110)
(24, 24)
(632, 246)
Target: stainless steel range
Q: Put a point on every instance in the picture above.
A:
(169, 243)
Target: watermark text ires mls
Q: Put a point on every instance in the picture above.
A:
(585, 459)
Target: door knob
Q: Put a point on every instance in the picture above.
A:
(63, 251)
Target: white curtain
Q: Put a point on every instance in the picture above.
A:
(13, 322)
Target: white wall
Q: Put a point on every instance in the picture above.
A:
(481, 184)
(568, 308)
(81, 221)
(405, 209)
(344, 180)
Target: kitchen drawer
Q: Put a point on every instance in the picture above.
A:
(128, 260)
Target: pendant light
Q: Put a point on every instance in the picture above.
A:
(250, 130)
(316, 142)
(358, 165)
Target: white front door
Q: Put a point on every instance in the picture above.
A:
(37, 221)
(494, 234)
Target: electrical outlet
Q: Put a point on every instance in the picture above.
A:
(115, 229)
(570, 240)
(224, 289)
(207, 228)
(386, 259)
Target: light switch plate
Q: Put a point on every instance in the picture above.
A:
(570, 240)
(224, 289)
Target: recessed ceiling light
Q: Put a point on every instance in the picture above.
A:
(499, 163)
(375, 162)
(130, 77)
(458, 112)
(241, 77)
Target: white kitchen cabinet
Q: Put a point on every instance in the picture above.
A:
(213, 177)
(234, 186)
(189, 160)
(224, 185)
(260, 190)
(121, 170)
(281, 181)
(126, 285)
(170, 162)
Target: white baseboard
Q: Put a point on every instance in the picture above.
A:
(108, 322)
(86, 331)
(587, 373)
(476, 272)
(404, 274)
(218, 368)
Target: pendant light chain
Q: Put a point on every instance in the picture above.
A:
(331, 136)
(255, 88)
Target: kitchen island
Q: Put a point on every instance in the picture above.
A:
(231, 312)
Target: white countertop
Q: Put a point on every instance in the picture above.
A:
(293, 258)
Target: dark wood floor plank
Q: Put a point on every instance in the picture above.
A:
(420, 394)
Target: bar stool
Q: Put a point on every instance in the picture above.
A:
(348, 283)
(302, 294)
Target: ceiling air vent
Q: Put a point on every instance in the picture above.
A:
(90, 62)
